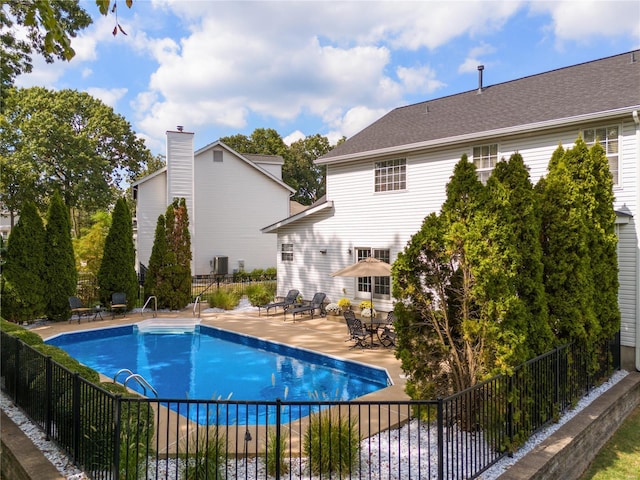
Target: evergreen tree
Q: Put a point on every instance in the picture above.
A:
(507, 265)
(176, 286)
(23, 287)
(117, 270)
(441, 338)
(568, 281)
(60, 273)
(156, 260)
(603, 244)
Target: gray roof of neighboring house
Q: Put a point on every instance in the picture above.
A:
(599, 86)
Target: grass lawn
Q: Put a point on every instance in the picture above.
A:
(619, 459)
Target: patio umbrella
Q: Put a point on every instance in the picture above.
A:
(367, 267)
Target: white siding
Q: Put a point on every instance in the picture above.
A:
(234, 200)
(362, 218)
(627, 275)
(151, 203)
(180, 174)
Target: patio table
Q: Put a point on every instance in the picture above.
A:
(373, 325)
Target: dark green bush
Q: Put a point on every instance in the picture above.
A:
(28, 337)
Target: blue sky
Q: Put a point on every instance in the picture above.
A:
(301, 67)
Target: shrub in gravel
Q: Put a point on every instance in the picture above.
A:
(331, 443)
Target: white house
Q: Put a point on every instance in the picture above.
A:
(382, 182)
(229, 198)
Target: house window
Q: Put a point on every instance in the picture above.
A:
(485, 158)
(381, 285)
(391, 175)
(287, 252)
(608, 138)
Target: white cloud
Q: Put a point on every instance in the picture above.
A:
(587, 21)
(473, 59)
(293, 137)
(108, 96)
(420, 79)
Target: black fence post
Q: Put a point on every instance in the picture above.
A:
(510, 425)
(440, 439)
(117, 408)
(47, 405)
(278, 433)
(75, 409)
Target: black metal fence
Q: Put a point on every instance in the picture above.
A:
(114, 437)
(88, 289)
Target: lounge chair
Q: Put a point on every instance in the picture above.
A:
(288, 301)
(317, 303)
(357, 332)
(78, 309)
(118, 304)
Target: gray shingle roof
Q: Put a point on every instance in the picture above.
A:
(598, 86)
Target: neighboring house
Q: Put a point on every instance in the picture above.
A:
(229, 198)
(5, 223)
(382, 182)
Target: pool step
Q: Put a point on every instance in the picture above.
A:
(168, 325)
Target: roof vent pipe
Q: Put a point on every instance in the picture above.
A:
(480, 69)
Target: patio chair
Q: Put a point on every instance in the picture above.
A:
(78, 309)
(357, 332)
(388, 337)
(317, 303)
(288, 301)
(118, 304)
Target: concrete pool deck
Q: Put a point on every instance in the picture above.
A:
(325, 335)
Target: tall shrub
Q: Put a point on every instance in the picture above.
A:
(60, 273)
(176, 282)
(117, 270)
(569, 283)
(157, 260)
(23, 287)
(507, 264)
(441, 337)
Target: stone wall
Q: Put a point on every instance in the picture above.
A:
(568, 452)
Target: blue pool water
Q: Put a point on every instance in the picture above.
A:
(212, 363)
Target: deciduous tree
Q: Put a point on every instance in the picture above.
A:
(72, 142)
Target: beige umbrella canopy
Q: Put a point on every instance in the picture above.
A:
(367, 267)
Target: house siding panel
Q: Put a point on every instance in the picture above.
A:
(151, 203)
(235, 201)
(362, 218)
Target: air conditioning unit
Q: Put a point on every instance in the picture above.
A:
(219, 265)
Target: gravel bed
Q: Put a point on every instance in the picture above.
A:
(391, 459)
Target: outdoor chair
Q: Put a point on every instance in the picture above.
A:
(288, 301)
(317, 303)
(78, 309)
(118, 304)
(357, 332)
(388, 337)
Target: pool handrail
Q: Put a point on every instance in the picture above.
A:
(196, 304)
(155, 306)
(138, 378)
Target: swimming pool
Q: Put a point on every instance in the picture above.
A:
(210, 363)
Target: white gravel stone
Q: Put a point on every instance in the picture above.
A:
(391, 451)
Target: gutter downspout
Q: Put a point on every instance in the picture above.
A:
(636, 120)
